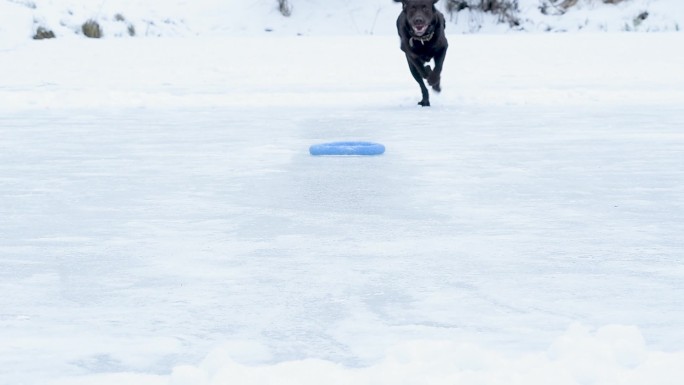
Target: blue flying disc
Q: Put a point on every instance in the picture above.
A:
(347, 148)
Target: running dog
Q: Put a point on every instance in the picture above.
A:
(421, 30)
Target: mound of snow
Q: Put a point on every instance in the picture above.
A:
(613, 354)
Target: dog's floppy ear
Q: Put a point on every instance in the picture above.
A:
(403, 2)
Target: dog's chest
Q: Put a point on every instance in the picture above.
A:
(425, 50)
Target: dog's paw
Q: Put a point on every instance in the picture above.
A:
(424, 103)
(434, 80)
(427, 71)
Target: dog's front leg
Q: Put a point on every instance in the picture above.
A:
(418, 75)
(434, 78)
(419, 65)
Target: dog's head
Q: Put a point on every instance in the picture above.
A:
(420, 14)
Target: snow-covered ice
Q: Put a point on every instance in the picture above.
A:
(161, 220)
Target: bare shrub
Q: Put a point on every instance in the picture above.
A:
(92, 29)
(506, 10)
(27, 3)
(130, 28)
(285, 8)
(43, 33)
(559, 7)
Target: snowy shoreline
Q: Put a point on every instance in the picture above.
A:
(23, 19)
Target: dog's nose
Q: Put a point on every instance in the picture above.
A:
(419, 21)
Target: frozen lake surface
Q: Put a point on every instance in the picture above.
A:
(160, 213)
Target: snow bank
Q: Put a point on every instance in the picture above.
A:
(20, 19)
(613, 354)
(124, 18)
(595, 16)
(610, 355)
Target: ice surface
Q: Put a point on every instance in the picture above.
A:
(161, 220)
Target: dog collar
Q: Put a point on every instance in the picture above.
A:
(421, 39)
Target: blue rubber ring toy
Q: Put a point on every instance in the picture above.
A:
(347, 148)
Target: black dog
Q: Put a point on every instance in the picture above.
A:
(421, 29)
